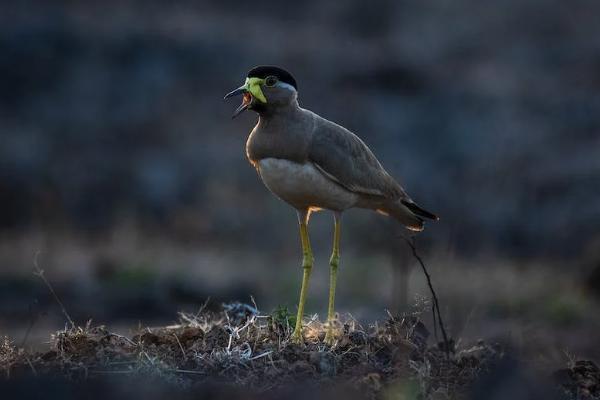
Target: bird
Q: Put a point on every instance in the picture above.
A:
(314, 164)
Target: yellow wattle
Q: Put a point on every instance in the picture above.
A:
(253, 86)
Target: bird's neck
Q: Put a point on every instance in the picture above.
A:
(278, 112)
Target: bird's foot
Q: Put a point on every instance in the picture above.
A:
(329, 337)
(297, 336)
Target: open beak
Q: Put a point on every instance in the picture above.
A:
(251, 90)
(246, 100)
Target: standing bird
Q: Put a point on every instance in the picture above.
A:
(312, 163)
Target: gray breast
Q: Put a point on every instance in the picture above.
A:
(284, 135)
(303, 185)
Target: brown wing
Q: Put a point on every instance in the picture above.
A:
(346, 159)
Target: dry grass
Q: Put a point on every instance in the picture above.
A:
(240, 347)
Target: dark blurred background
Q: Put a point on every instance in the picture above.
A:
(123, 175)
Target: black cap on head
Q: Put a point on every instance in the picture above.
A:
(263, 71)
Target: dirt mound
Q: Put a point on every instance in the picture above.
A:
(240, 348)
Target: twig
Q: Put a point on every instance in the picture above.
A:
(435, 333)
(202, 307)
(266, 353)
(188, 371)
(30, 365)
(181, 347)
(125, 338)
(32, 320)
(273, 362)
(111, 372)
(436, 304)
(254, 302)
(40, 273)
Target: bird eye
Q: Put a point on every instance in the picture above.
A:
(271, 80)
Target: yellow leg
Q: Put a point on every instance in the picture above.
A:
(307, 263)
(334, 262)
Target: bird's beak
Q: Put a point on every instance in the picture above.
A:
(250, 89)
(241, 90)
(246, 100)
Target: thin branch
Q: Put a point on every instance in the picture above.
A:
(202, 307)
(40, 273)
(31, 365)
(435, 331)
(188, 371)
(266, 353)
(33, 317)
(436, 304)
(112, 372)
(181, 347)
(125, 338)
